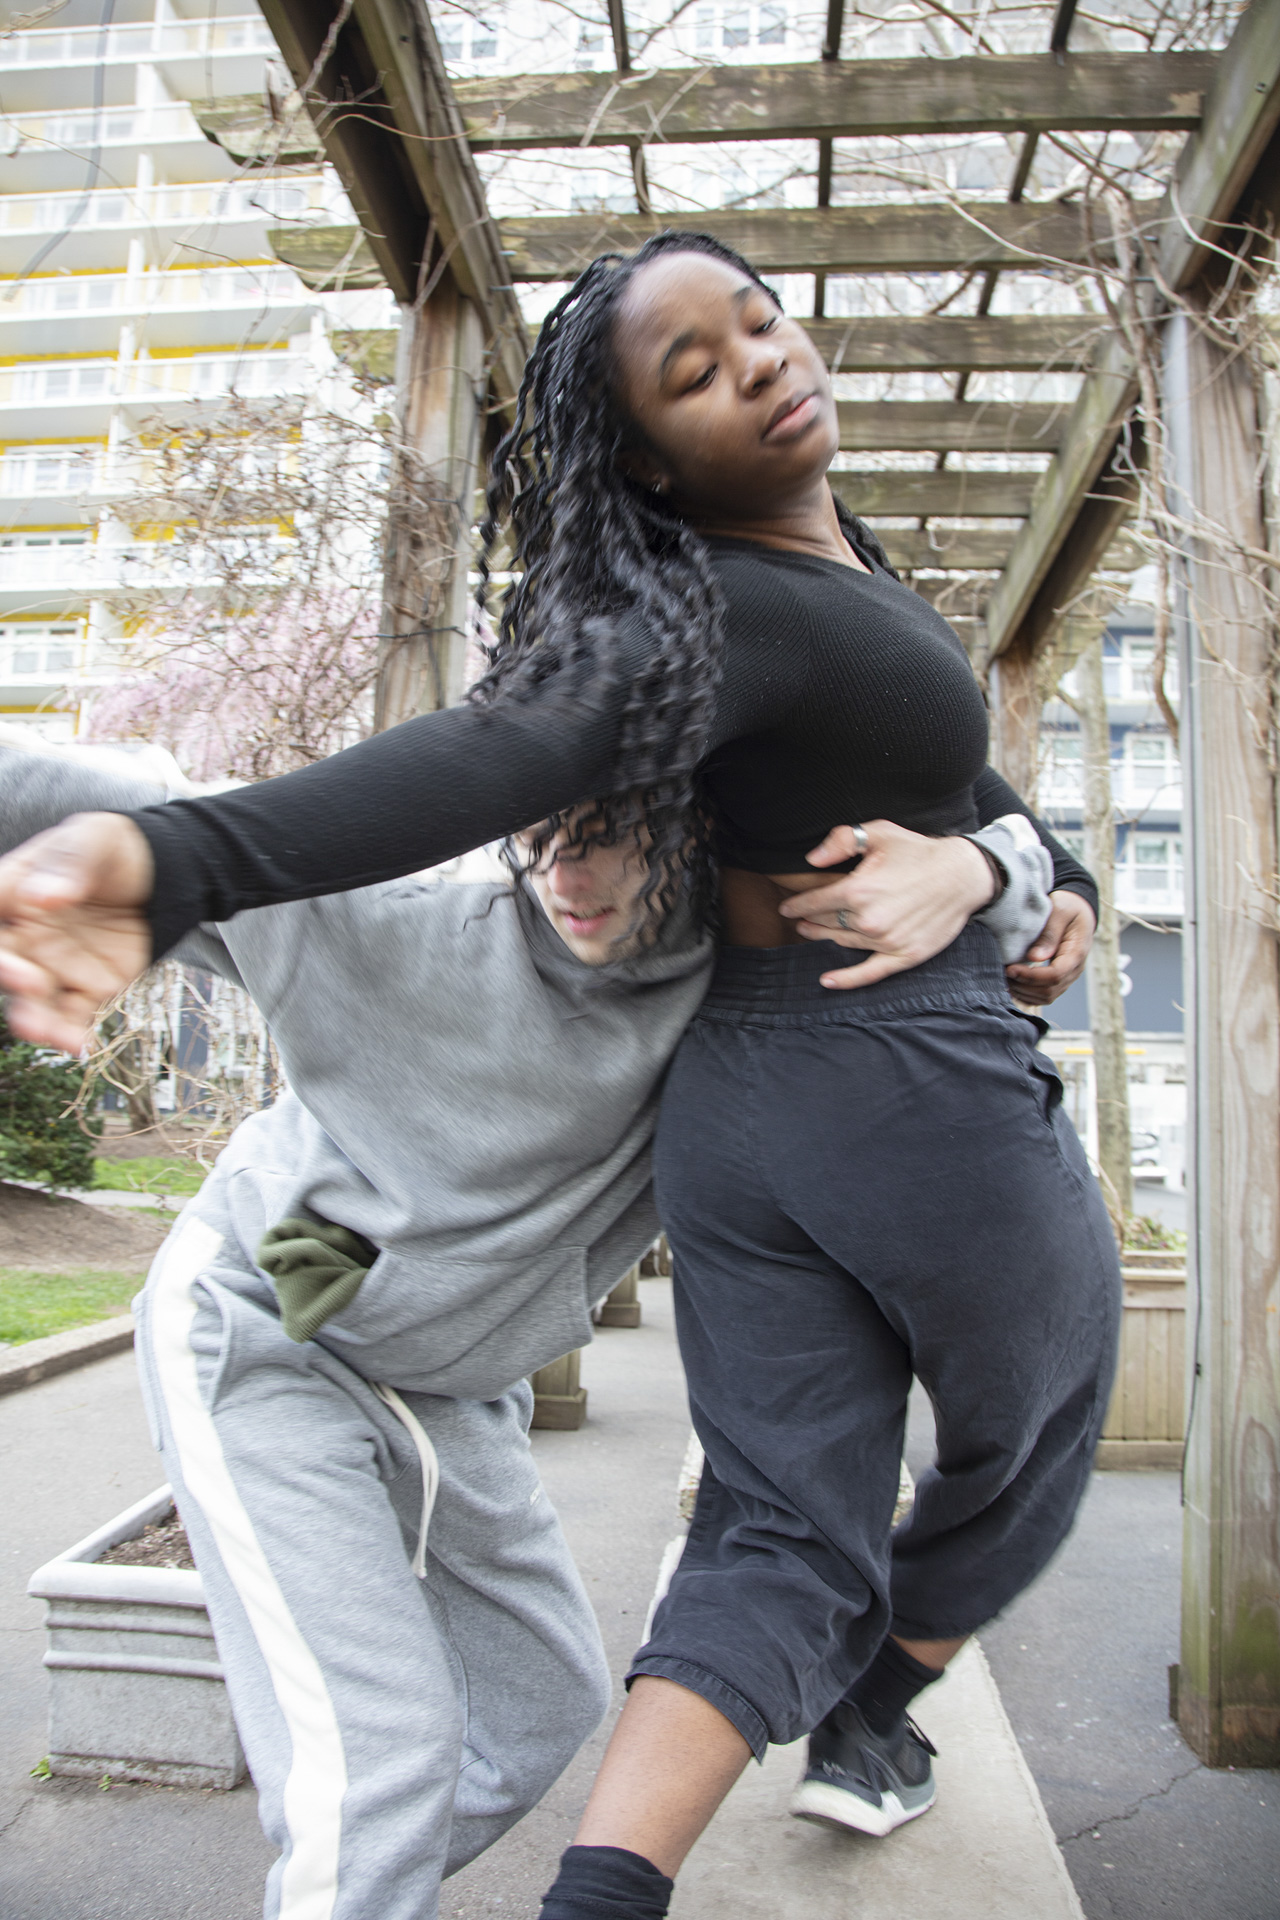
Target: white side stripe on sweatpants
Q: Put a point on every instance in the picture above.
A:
(317, 1776)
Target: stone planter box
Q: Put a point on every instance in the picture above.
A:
(136, 1688)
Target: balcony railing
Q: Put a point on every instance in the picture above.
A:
(195, 376)
(154, 292)
(22, 474)
(1132, 791)
(100, 567)
(268, 200)
(114, 126)
(40, 660)
(82, 46)
(1147, 893)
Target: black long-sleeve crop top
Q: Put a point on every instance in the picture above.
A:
(844, 697)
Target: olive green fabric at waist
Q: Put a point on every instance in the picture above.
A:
(317, 1269)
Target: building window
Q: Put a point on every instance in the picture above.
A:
(706, 25)
(1151, 761)
(1063, 771)
(39, 650)
(1137, 656)
(1157, 862)
(773, 27)
(737, 27)
(484, 41)
(1149, 873)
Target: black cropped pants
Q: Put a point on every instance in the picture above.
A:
(859, 1186)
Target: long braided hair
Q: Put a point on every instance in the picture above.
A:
(589, 544)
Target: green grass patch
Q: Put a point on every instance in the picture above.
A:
(33, 1304)
(149, 1174)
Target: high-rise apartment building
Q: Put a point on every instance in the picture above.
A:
(136, 284)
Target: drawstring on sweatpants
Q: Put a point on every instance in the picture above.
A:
(427, 1458)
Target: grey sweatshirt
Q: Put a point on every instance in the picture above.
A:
(463, 1092)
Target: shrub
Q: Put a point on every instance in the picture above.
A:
(1144, 1233)
(42, 1136)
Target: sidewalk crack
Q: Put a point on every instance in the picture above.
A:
(23, 1807)
(1112, 1819)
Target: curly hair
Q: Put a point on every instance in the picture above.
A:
(590, 544)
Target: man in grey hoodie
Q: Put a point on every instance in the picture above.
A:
(333, 1339)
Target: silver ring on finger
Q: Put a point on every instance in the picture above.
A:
(861, 840)
(843, 921)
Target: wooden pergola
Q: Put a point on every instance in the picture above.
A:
(402, 139)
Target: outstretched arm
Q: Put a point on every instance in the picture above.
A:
(87, 906)
(39, 790)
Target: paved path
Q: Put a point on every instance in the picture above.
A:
(1081, 1659)
(985, 1852)
(76, 1451)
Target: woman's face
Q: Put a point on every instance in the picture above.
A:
(732, 399)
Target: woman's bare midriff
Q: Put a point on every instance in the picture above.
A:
(750, 902)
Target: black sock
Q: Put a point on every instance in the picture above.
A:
(606, 1883)
(884, 1692)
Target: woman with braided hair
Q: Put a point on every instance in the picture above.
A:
(858, 1185)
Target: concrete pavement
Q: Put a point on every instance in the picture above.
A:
(77, 1451)
(1093, 1635)
(1081, 1661)
(985, 1849)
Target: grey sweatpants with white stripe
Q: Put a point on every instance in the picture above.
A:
(394, 1727)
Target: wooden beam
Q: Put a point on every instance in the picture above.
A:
(1017, 343)
(242, 126)
(920, 237)
(1087, 443)
(368, 351)
(618, 32)
(839, 99)
(963, 549)
(403, 157)
(1090, 544)
(402, 40)
(951, 493)
(964, 598)
(1228, 1694)
(976, 550)
(1014, 343)
(1074, 517)
(935, 426)
(327, 258)
(1241, 116)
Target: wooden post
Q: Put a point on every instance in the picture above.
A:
(1228, 1686)
(1017, 701)
(559, 1401)
(440, 394)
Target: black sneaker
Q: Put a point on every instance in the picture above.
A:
(859, 1779)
